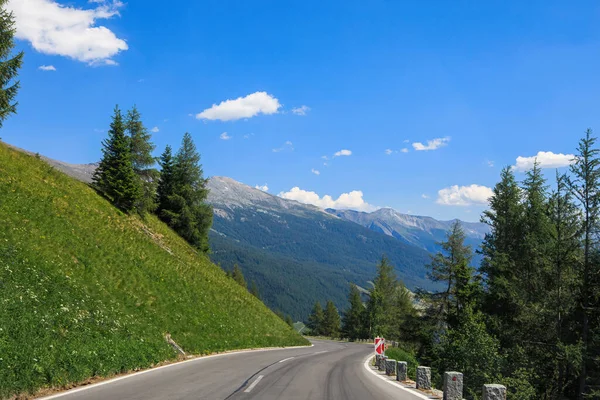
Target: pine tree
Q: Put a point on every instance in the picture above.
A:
(354, 318)
(315, 320)
(585, 187)
(142, 159)
(9, 66)
(381, 299)
(166, 182)
(238, 276)
(115, 177)
(331, 320)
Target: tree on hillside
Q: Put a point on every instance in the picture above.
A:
(238, 276)
(185, 209)
(289, 320)
(142, 159)
(353, 324)
(166, 182)
(9, 66)
(254, 290)
(315, 320)
(585, 187)
(331, 320)
(115, 177)
(381, 300)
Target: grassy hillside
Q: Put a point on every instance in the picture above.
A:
(86, 290)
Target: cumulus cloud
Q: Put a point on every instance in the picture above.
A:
(264, 188)
(225, 136)
(155, 129)
(286, 146)
(56, 29)
(242, 107)
(315, 171)
(464, 195)
(47, 68)
(424, 196)
(432, 144)
(343, 153)
(404, 150)
(389, 151)
(545, 159)
(302, 110)
(353, 200)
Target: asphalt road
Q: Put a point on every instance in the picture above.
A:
(329, 370)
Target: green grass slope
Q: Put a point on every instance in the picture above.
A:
(86, 290)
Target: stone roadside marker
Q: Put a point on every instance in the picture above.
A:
(424, 378)
(453, 386)
(402, 371)
(494, 392)
(390, 367)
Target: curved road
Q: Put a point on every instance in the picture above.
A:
(328, 370)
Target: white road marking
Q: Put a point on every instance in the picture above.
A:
(287, 359)
(254, 384)
(320, 352)
(412, 392)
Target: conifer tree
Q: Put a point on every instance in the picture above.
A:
(354, 317)
(331, 320)
(381, 300)
(9, 65)
(166, 182)
(115, 177)
(238, 276)
(142, 159)
(315, 320)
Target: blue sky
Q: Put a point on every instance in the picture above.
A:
(466, 87)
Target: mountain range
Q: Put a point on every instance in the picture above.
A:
(298, 253)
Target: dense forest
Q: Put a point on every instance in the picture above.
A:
(529, 316)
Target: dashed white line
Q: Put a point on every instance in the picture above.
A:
(254, 384)
(287, 359)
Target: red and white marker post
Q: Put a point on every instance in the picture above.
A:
(379, 345)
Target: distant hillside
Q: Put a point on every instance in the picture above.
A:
(88, 291)
(297, 252)
(424, 232)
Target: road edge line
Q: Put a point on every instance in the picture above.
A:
(412, 392)
(146, 371)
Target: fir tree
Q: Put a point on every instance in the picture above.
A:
(115, 177)
(381, 300)
(142, 159)
(238, 276)
(331, 320)
(315, 320)
(354, 317)
(9, 66)
(166, 182)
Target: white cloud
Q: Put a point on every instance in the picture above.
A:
(545, 159)
(353, 200)
(47, 68)
(155, 129)
(424, 196)
(286, 146)
(242, 107)
(248, 135)
(404, 150)
(464, 195)
(225, 136)
(343, 153)
(315, 171)
(490, 163)
(406, 141)
(325, 158)
(389, 151)
(432, 144)
(56, 29)
(302, 110)
(264, 188)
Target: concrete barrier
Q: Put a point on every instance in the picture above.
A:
(402, 371)
(494, 392)
(382, 363)
(390, 367)
(424, 378)
(453, 386)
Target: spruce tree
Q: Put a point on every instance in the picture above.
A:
(315, 320)
(331, 320)
(585, 187)
(238, 276)
(115, 177)
(354, 318)
(9, 66)
(381, 299)
(142, 159)
(166, 182)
